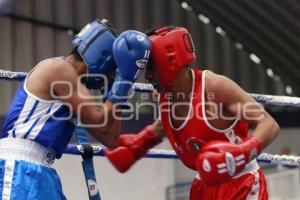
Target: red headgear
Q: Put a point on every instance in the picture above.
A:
(172, 50)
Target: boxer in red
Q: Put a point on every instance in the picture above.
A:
(206, 118)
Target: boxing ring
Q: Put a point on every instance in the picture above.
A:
(88, 151)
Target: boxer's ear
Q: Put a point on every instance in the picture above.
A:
(76, 55)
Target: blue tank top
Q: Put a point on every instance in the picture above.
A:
(47, 122)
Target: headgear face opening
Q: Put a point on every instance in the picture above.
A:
(94, 43)
(172, 51)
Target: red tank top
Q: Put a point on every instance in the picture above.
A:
(188, 139)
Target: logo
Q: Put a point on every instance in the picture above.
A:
(92, 187)
(140, 38)
(194, 144)
(179, 148)
(230, 164)
(49, 158)
(206, 165)
(142, 63)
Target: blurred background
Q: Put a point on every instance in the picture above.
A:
(256, 43)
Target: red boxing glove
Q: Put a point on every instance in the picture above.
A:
(219, 160)
(132, 148)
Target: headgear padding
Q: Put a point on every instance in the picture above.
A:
(172, 50)
(94, 44)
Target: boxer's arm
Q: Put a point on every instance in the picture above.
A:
(239, 103)
(106, 127)
(135, 146)
(218, 161)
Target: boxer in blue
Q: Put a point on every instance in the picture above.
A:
(48, 104)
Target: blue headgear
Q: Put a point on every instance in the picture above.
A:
(94, 43)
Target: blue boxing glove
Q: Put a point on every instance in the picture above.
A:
(131, 52)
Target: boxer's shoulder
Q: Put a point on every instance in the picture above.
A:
(41, 78)
(219, 85)
(213, 79)
(54, 69)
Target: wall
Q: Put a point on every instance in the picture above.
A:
(288, 137)
(24, 43)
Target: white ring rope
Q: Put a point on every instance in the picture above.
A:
(142, 87)
(169, 154)
(292, 161)
(263, 99)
